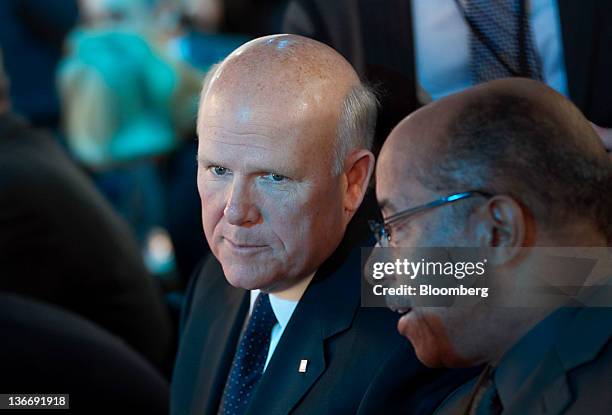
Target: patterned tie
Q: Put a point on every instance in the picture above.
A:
(250, 358)
(498, 31)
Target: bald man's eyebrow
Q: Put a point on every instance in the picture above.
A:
(201, 160)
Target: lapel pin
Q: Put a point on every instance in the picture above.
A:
(303, 365)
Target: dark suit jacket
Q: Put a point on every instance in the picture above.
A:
(376, 37)
(61, 242)
(573, 377)
(358, 363)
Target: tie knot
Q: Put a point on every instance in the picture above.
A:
(262, 317)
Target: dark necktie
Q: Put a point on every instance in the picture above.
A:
(249, 359)
(501, 42)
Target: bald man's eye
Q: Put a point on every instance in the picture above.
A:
(275, 178)
(219, 171)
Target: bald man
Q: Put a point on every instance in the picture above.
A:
(509, 164)
(273, 322)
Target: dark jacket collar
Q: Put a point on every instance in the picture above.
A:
(327, 308)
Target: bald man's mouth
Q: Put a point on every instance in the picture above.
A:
(245, 247)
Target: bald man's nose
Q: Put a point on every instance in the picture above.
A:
(240, 209)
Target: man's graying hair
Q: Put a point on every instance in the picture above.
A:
(506, 144)
(356, 126)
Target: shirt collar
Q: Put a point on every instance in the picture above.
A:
(283, 309)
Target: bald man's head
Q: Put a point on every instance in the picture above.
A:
(291, 76)
(284, 131)
(532, 173)
(292, 67)
(513, 136)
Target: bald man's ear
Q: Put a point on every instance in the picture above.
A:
(503, 227)
(358, 169)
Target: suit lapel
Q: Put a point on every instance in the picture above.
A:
(578, 40)
(548, 389)
(282, 372)
(226, 314)
(326, 308)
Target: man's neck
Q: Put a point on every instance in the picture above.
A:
(295, 292)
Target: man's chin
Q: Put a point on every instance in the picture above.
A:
(430, 342)
(240, 281)
(430, 355)
(246, 278)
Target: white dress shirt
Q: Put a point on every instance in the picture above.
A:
(442, 45)
(283, 310)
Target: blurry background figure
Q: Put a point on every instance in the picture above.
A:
(62, 243)
(198, 40)
(50, 350)
(32, 33)
(127, 107)
(253, 17)
(418, 50)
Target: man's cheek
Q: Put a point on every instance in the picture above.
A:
(212, 216)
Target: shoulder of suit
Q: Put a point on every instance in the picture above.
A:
(586, 336)
(206, 276)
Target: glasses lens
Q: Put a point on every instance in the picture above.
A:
(385, 236)
(377, 229)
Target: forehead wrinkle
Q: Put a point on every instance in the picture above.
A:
(243, 144)
(250, 125)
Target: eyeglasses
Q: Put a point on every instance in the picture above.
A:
(382, 230)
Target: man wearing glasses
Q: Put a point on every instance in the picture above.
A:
(508, 166)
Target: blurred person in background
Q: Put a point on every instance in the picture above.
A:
(49, 350)
(253, 18)
(198, 34)
(32, 34)
(421, 50)
(127, 107)
(62, 243)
